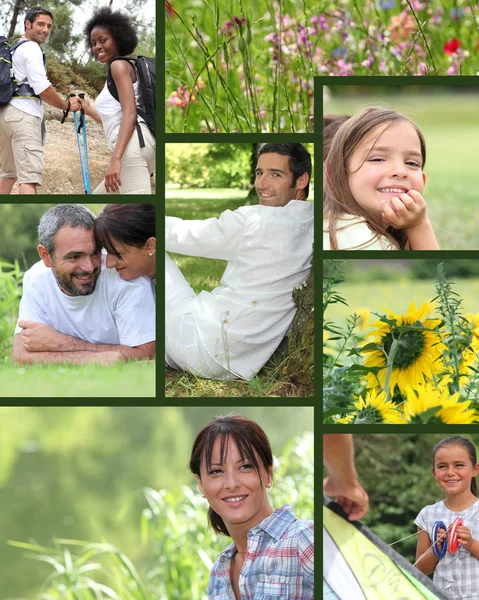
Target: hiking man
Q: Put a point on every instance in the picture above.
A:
(73, 308)
(233, 331)
(22, 126)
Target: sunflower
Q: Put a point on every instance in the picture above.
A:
(470, 354)
(373, 409)
(418, 351)
(450, 408)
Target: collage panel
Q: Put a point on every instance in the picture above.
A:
(78, 98)
(77, 301)
(125, 502)
(239, 274)
(401, 341)
(400, 172)
(405, 521)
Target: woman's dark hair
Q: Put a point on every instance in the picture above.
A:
(118, 24)
(457, 440)
(130, 224)
(250, 440)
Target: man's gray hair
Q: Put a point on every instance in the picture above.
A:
(63, 215)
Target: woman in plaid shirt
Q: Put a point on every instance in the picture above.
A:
(272, 554)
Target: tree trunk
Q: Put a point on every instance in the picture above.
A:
(300, 362)
(19, 5)
(252, 198)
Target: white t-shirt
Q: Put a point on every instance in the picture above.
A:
(28, 67)
(353, 233)
(111, 113)
(118, 312)
(269, 251)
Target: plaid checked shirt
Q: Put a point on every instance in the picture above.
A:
(279, 561)
(457, 574)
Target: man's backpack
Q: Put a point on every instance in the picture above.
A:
(9, 87)
(146, 72)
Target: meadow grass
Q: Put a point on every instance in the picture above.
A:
(205, 274)
(396, 296)
(130, 379)
(452, 134)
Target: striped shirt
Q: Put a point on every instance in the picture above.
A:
(279, 561)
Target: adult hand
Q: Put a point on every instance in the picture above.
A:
(38, 337)
(74, 103)
(85, 104)
(352, 498)
(112, 177)
(404, 211)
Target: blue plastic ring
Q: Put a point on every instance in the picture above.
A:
(439, 554)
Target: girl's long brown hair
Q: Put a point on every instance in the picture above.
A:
(337, 197)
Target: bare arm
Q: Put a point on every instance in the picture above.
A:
(21, 356)
(428, 562)
(89, 110)
(422, 237)
(342, 481)
(38, 337)
(51, 96)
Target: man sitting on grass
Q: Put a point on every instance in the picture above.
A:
(75, 310)
(232, 331)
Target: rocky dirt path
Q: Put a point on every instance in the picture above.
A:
(63, 173)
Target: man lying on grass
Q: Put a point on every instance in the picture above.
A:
(232, 331)
(73, 308)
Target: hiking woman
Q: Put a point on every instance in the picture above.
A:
(128, 234)
(108, 35)
(272, 551)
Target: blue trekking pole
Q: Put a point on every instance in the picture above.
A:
(79, 125)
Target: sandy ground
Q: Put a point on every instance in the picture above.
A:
(63, 174)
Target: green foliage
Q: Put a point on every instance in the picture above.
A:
(11, 278)
(209, 165)
(182, 548)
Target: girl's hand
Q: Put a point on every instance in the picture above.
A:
(112, 177)
(465, 537)
(406, 211)
(441, 536)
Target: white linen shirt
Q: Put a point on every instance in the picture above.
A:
(269, 251)
(117, 312)
(28, 65)
(353, 233)
(457, 574)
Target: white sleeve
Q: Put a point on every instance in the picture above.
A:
(210, 238)
(135, 313)
(34, 67)
(30, 306)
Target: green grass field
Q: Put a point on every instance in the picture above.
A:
(205, 274)
(136, 380)
(396, 296)
(450, 124)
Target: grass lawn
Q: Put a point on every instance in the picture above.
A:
(132, 379)
(205, 274)
(450, 124)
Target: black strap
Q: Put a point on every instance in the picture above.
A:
(67, 110)
(81, 122)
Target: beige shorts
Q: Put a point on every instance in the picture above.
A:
(21, 150)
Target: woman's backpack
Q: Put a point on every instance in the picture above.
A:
(146, 70)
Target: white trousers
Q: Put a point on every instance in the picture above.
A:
(184, 349)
